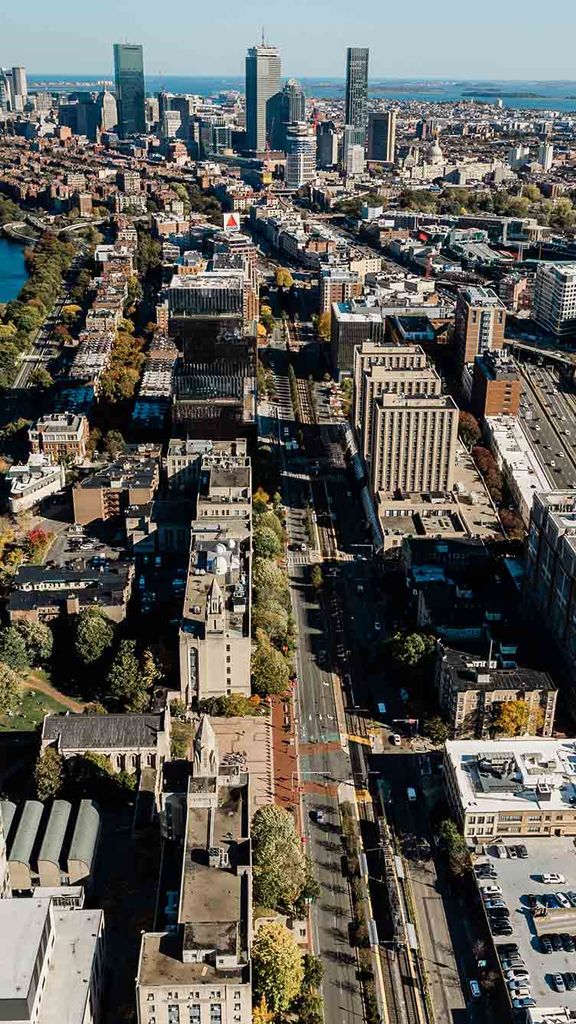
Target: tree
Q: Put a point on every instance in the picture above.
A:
(270, 674)
(114, 443)
(180, 737)
(277, 964)
(48, 774)
(268, 577)
(273, 620)
(513, 718)
(93, 636)
(38, 640)
(323, 326)
(41, 379)
(469, 429)
(411, 649)
(124, 681)
(313, 971)
(283, 278)
(9, 689)
(266, 543)
(456, 848)
(13, 651)
(150, 670)
(317, 577)
(261, 1014)
(436, 729)
(280, 870)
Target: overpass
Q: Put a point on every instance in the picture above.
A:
(560, 357)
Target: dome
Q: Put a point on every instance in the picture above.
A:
(435, 154)
(220, 566)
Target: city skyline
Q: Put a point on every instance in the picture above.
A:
(437, 46)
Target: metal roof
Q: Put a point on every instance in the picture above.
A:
(85, 834)
(7, 814)
(55, 831)
(27, 831)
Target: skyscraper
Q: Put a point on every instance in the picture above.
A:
(262, 83)
(382, 136)
(20, 83)
(300, 155)
(327, 144)
(357, 90)
(130, 93)
(285, 108)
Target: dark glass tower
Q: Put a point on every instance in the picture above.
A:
(357, 90)
(130, 93)
(262, 84)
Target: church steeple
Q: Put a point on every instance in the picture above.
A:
(215, 618)
(205, 760)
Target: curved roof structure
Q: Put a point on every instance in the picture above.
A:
(7, 814)
(53, 840)
(85, 834)
(27, 831)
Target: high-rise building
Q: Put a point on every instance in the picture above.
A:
(130, 91)
(480, 323)
(357, 90)
(108, 111)
(300, 155)
(382, 136)
(20, 85)
(285, 108)
(555, 298)
(411, 381)
(326, 145)
(546, 155)
(352, 161)
(414, 443)
(263, 70)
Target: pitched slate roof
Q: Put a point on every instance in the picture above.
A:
(102, 732)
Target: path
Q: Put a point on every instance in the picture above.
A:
(34, 682)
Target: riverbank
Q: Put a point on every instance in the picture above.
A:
(13, 272)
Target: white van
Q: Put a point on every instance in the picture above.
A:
(411, 794)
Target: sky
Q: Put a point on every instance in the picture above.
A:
(504, 39)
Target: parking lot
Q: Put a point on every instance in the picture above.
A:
(519, 878)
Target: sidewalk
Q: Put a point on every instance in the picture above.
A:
(285, 758)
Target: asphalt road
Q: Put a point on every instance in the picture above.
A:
(548, 414)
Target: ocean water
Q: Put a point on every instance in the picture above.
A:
(529, 95)
(13, 274)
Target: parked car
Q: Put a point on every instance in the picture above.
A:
(568, 942)
(490, 890)
(553, 877)
(545, 944)
(506, 949)
(569, 980)
(521, 850)
(475, 989)
(562, 899)
(556, 943)
(523, 1002)
(558, 983)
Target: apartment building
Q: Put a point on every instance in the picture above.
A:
(472, 688)
(369, 354)
(42, 593)
(184, 460)
(496, 385)
(30, 483)
(197, 971)
(555, 298)
(551, 567)
(480, 323)
(338, 285)
(51, 963)
(131, 480)
(512, 787)
(215, 643)
(60, 435)
(413, 446)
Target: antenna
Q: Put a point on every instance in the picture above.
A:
(263, 37)
(490, 652)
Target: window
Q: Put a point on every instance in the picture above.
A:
(194, 1013)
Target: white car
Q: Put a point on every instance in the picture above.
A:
(518, 974)
(490, 890)
(552, 877)
(562, 900)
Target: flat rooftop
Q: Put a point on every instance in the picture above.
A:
(161, 964)
(68, 983)
(251, 737)
(522, 774)
(22, 923)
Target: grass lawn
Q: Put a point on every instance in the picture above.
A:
(31, 710)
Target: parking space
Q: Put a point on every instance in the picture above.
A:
(521, 878)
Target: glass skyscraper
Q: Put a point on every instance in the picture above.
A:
(262, 83)
(130, 92)
(357, 90)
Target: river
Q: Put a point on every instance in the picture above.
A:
(13, 274)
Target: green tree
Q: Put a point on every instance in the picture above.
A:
(266, 543)
(436, 729)
(273, 619)
(48, 774)
(114, 443)
(93, 636)
(41, 379)
(270, 673)
(39, 641)
(9, 689)
(180, 737)
(277, 964)
(280, 869)
(268, 578)
(317, 577)
(13, 651)
(125, 685)
(456, 848)
(412, 649)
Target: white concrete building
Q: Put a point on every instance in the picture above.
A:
(555, 298)
(517, 460)
(300, 156)
(31, 483)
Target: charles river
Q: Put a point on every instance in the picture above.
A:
(12, 269)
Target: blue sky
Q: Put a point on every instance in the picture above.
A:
(446, 38)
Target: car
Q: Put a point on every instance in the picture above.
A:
(475, 989)
(533, 901)
(494, 904)
(553, 877)
(522, 851)
(498, 911)
(395, 739)
(514, 963)
(522, 1002)
(556, 943)
(411, 794)
(507, 949)
(558, 983)
(498, 928)
(568, 942)
(569, 980)
(518, 983)
(512, 852)
(320, 819)
(377, 626)
(501, 851)
(490, 890)
(519, 974)
(562, 899)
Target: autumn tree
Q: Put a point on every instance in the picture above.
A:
(48, 774)
(283, 278)
(9, 690)
(513, 718)
(323, 324)
(280, 870)
(277, 965)
(469, 429)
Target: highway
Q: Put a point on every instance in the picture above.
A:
(548, 414)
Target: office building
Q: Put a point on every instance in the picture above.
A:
(555, 298)
(369, 354)
(51, 963)
(513, 787)
(350, 327)
(472, 688)
(382, 136)
(30, 483)
(496, 385)
(357, 90)
(215, 644)
(60, 435)
(287, 107)
(551, 569)
(130, 89)
(300, 156)
(185, 459)
(197, 971)
(338, 285)
(379, 379)
(326, 145)
(19, 87)
(353, 160)
(480, 323)
(263, 69)
(413, 446)
(546, 156)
